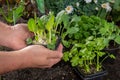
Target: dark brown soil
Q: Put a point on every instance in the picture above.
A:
(61, 71)
(113, 67)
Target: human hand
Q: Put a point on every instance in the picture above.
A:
(37, 56)
(15, 36)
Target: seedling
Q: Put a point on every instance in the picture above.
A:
(86, 37)
(44, 29)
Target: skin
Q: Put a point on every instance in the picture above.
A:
(23, 56)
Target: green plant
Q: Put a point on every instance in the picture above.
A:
(18, 11)
(14, 13)
(86, 37)
(45, 30)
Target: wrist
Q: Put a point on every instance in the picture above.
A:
(25, 60)
(22, 59)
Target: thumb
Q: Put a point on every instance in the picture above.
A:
(60, 48)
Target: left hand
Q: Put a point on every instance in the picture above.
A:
(16, 36)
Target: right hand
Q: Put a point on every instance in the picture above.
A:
(41, 57)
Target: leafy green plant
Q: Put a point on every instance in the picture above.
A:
(45, 30)
(86, 37)
(13, 14)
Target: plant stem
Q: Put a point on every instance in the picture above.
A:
(8, 5)
(97, 63)
(35, 17)
(49, 36)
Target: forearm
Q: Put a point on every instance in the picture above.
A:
(10, 61)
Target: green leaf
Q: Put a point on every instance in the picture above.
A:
(17, 13)
(50, 23)
(40, 24)
(117, 39)
(66, 43)
(81, 62)
(72, 30)
(78, 45)
(76, 18)
(101, 53)
(102, 31)
(31, 25)
(65, 20)
(111, 37)
(29, 41)
(66, 56)
(112, 56)
(59, 17)
(106, 41)
(75, 60)
(41, 6)
(44, 19)
(90, 38)
(51, 46)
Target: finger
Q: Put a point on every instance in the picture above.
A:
(51, 62)
(54, 61)
(60, 48)
(55, 54)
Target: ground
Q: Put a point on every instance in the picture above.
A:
(63, 71)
